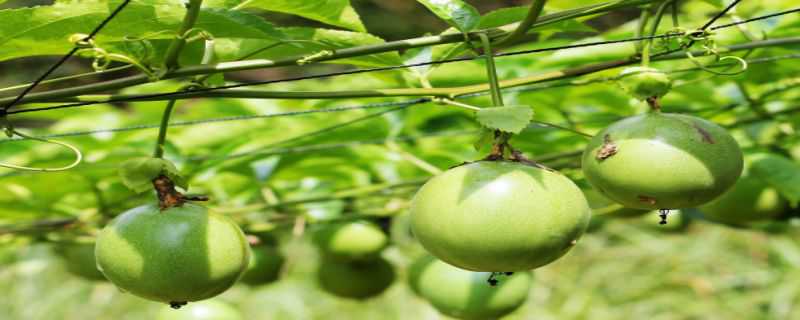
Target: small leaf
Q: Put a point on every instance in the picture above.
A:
(510, 119)
(456, 13)
(137, 174)
(781, 173)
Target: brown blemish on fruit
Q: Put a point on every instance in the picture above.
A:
(649, 200)
(706, 136)
(608, 149)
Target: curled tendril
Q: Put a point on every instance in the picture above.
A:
(78, 155)
(741, 62)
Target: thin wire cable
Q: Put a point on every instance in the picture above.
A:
(755, 19)
(720, 14)
(388, 68)
(66, 56)
(227, 119)
(530, 88)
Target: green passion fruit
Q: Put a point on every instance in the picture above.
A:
(177, 255)
(79, 260)
(644, 82)
(355, 279)
(662, 161)
(499, 216)
(265, 265)
(465, 294)
(205, 310)
(749, 200)
(357, 240)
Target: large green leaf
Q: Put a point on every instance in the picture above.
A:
(456, 13)
(334, 12)
(44, 30)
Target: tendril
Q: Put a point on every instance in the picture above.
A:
(11, 132)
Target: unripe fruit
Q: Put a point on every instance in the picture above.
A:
(79, 260)
(205, 310)
(465, 294)
(499, 216)
(265, 265)
(177, 255)
(749, 200)
(644, 82)
(356, 279)
(605, 207)
(351, 240)
(662, 161)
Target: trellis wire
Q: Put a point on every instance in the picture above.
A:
(66, 56)
(388, 68)
(377, 105)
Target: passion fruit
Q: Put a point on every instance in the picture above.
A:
(749, 200)
(265, 265)
(465, 294)
(644, 82)
(499, 216)
(205, 310)
(79, 260)
(175, 256)
(355, 279)
(662, 161)
(359, 240)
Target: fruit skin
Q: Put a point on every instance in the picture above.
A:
(79, 260)
(499, 216)
(662, 161)
(749, 200)
(605, 207)
(177, 255)
(356, 279)
(644, 82)
(465, 294)
(206, 310)
(358, 240)
(265, 265)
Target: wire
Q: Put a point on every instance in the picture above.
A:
(720, 14)
(756, 19)
(531, 88)
(66, 56)
(388, 68)
(227, 119)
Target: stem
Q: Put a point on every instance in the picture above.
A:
(644, 17)
(653, 29)
(460, 105)
(537, 6)
(491, 71)
(448, 93)
(175, 48)
(162, 130)
(67, 78)
(339, 54)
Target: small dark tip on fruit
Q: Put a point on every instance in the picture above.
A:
(509, 273)
(492, 282)
(177, 304)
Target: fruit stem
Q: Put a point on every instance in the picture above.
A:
(168, 197)
(162, 130)
(655, 104)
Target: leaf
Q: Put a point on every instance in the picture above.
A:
(510, 119)
(333, 12)
(781, 173)
(485, 139)
(137, 174)
(456, 13)
(45, 30)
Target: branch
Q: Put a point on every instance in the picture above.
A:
(522, 29)
(175, 48)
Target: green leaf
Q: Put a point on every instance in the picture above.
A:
(137, 174)
(456, 13)
(781, 173)
(507, 119)
(45, 30)
(485, 139)
(333, 12)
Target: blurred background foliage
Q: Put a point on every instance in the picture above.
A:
(269, 174)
